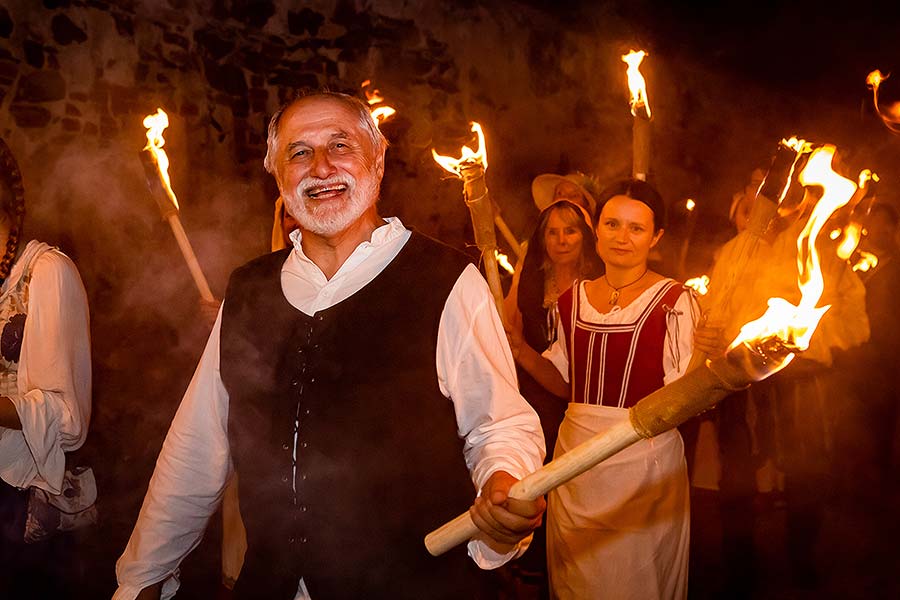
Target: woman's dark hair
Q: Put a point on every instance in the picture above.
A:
(534, 272)
(13, 207)
(638, 190)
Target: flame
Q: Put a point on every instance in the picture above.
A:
(699, 284)
(690, 205)
(379, 113)
(503, 261)
(794, 325)
(866, 262)
(156, 124)
(454, 165)
(891, 115)
(852, 235)
(382, 113)
(637, 86)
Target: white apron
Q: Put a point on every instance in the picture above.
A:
(622, 529)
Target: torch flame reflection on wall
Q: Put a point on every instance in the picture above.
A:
(794, 325)
(636, 83)
(156, 124)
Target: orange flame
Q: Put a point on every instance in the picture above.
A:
(794, 325)
(468, 156)
(379, 113)
(699, 284)
(690, 205)
(503, 261)
(156, 124)
(890, 116)
(866, 262)
(852, 235)
(637, 86)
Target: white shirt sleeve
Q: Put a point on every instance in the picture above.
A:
(679, 343)
(54, 376)
(476, 371)
(187, 484)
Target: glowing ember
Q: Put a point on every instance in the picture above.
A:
(690, 205)
(373, 97)
(835, 234)
(637, 86)
(890, 116)
(503, 261)
(699, 284)
(156, 124)
(468, 156)
(794, 325)
(866, 262)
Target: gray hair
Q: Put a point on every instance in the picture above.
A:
(366, 123)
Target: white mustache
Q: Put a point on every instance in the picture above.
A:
(311, 186)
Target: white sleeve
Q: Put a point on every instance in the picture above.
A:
(187, 484)
(476, 371)
(679, 343)
(54, 376)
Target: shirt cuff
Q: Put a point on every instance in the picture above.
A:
(487, 558)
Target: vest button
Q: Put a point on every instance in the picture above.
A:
(312, 379)
(285, 447)
(304, 445)
(306, 412)
(284, 478)
(303, 540)
(291, 540)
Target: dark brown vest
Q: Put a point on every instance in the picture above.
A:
(379, 461)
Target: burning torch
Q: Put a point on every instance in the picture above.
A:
(762, 348)
(156, 167)
(640, 110)
(470, 167)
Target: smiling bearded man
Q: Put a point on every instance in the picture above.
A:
(361, 382)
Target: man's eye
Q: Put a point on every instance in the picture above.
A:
(300, 153)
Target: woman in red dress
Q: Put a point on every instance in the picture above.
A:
(621, 530)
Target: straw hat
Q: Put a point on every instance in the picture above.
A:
(543, 187)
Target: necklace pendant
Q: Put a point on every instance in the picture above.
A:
(614, 297)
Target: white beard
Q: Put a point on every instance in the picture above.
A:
(329, 217)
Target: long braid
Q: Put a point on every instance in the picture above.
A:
(13, 207)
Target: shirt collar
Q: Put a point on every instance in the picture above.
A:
(383, 235)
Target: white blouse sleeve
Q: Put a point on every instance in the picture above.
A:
(476, 371)
(54, 375)
(679, 343)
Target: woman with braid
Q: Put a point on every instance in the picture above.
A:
(45, 397)
(620, 530)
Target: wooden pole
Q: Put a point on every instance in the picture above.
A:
(640, 140)
(664, 409)
(170, 215)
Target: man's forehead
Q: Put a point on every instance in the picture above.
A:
(320, 113)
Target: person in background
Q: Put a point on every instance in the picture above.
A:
(45, 402)
(560, 252)
(620, 530)
(365, 395)
(577, 188)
